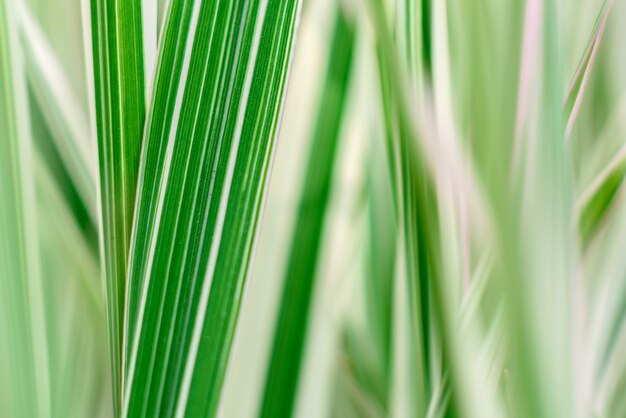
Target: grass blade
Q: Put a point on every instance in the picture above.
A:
(430, 165)
(536, 274)
(120, 46)
(597, 200)
(409, 182)
(217, 99)
(75, 319)
(24, 378)
(60, 106)
(578, 85)
(290, 333)
(602, 174)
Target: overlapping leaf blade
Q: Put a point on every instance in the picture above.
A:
(121, 52)
(62, 110)
(412, 192)
(578, 85)
(209, 140)
(74, 303)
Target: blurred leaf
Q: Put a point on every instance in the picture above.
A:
(46, 148)
(410, 187)
(598, 198)
(24, 374)
(299, 277)
(75, 319)
(61, 109)
(578, 85)
(602, 173)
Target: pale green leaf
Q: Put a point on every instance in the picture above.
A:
(62, 110)
(24, 375)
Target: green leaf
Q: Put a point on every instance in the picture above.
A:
(210, 135)
(46, 148)
(24, 375)
(535, 239)
(380, 267)
(74, 303)
(431, 174)
(596, 201)
(121, 49)
(61, 109)
(578, 85)
(410, 186)
(290, 333)
(602, 174)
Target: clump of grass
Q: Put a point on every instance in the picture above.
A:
(310, 208)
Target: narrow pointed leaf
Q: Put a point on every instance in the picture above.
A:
(74, 303)
(120, 88)
(61, 108)
(578, 85)
(596, 201)
(290, 333)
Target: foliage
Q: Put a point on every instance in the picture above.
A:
(277, 208)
